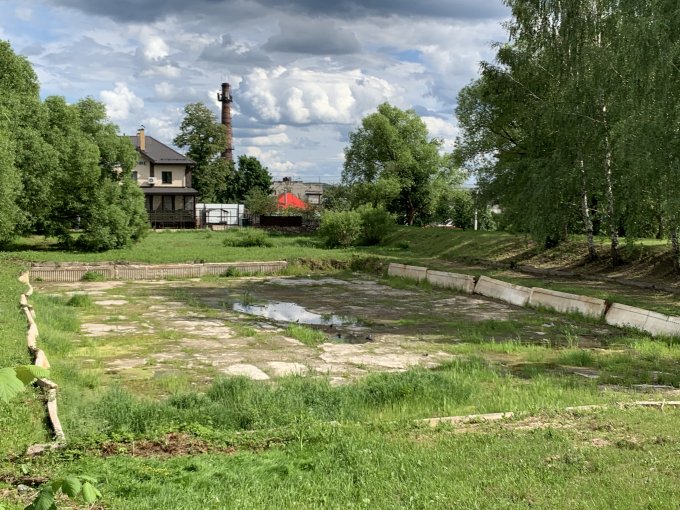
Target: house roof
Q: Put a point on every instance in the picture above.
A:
(289, 200)
(160, 153)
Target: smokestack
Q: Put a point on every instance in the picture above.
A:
(142, 139)
(225, 99)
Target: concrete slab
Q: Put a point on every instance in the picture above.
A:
(250, 371)
(513, 294)
(462, 282)
(651, 322)
(567, 303)
(281, 368)
(404, 271)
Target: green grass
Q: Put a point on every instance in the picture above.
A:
(617, 459)
(182, 246)
(80, 301)
(247, 237)
(306, 335)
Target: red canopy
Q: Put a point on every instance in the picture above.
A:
(289, 200)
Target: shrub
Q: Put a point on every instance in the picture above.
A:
(247, 237)
(340, 228)
(376, 223)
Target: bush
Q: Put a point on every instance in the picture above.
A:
(376, 223)
(340, 228)
(247, 237)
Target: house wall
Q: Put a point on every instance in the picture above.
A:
(178, 175)
(143, 169)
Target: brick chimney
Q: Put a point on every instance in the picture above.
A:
(225, 99)
(141, 139)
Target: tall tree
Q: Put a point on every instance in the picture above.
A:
(204, 140)
(22, 146)
(251, 174)
(392, 150)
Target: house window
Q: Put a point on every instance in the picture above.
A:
(314, 199)
(168, 203)
(166, 177)
(134, 175)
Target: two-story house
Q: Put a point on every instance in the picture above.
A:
(165, 177)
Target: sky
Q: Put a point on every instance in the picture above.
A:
(303, 73)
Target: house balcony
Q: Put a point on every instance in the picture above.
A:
(172, 219)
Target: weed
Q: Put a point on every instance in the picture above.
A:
(80, 301)
(232, 272)
(93, 276)
(306, 335)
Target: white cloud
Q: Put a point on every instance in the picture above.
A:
(304, 96)
(443, 129)
(120, 102)
(163, 128)
(272, 160)
(267, 140)
(153, 46)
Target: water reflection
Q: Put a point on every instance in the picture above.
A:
(291, 312)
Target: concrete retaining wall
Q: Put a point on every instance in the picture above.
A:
(462, 282)
(404, 271)
(73, 273)
(513, 294)
(40, 360)
(567, 303)
(651, 322)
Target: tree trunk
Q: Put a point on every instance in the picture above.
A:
(659, 224)
(675, 249)
(585, 211)
(613, 227)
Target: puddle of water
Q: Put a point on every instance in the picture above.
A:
(290, 312)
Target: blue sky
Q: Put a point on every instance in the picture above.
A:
(303, 72)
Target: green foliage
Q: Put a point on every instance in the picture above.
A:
(250, 176)
(376, 224)
(246, 237)
(391, 161)
(9, 188)
(570, 129)
(59, 165)
(340, 228)
(205, 139)
(117, 218)
(259, 202)
(72, 486)
(14, 379)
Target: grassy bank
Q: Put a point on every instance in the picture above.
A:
(180, 247)
(21, 420)
(605, 460)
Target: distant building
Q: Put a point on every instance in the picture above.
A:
(211, 215)
(165, 178)
(310, 192)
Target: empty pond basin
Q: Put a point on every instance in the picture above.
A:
(291, 312)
